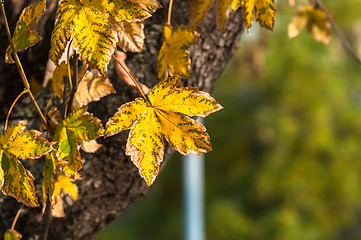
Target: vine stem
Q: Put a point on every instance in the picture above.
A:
(338, 32)
(133, 79)
(20, 68)
(16, 217)
(12, 106)
(170, 11)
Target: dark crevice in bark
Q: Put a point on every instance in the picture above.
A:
(110, 182)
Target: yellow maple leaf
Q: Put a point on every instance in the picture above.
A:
(15, 180)
(90, 26)
(167, 114)
(24, 35)
(173, 58)
(314, 20)
(262, 10)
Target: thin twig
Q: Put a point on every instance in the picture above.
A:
(133, 79)
(75, 83)
(170, 11)
(46, 219)
(12, 106)
(338, 32)
(16, 217)
(21, 70)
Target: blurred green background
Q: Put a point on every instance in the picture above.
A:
(286, 163)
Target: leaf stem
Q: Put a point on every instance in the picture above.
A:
(338, 32)
(17, 217)
(46, 219)
(170, 11)
(12, 106)
(133, 79)
(20, 68)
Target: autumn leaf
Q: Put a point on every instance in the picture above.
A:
(169, 116)
(49, 171)
(92, 87)
(69, 134)
(198, 10)
(262, 10)
(16, 181)
(24, 35)
(173, 58)
(314, 20)
(12, 235)
(90, 26)
(64, 184)
(57, 82)
(130, 36)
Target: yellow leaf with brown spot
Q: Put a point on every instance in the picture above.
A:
(24, 35)
(262, 10)
(167, 114)
(15, 180)
(90, 26)
(173, 58)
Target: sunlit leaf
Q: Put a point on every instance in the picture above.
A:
(262, 10)
(92, 87)
(65, 184)
(167, 116)
(16, 181)
(89, 25)
(173, 58)
(314, 20)
(12, 235)
(24, 35)
(69, 134)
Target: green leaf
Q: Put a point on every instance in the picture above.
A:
(173, 58)
(166, 116)
(24, 35)
(69, 134)
(12, 235)
(16, 181)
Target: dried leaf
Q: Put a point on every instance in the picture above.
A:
(90, 146)
(92, 87)
(60, 73)
(130, 36)
(165, 116)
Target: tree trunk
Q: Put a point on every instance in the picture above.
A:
(110, 182)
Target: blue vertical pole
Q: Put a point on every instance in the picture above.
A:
(193, 175)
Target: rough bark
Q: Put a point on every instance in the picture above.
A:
(110, 182)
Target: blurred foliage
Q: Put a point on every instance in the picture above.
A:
(286, 162)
